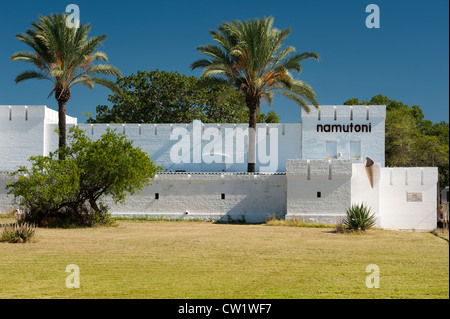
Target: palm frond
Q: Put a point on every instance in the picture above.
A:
(268, 97)
(24, 56)
(104, 69)
(99, 56)
(105, 83)
(84, 80)
(251, 57)
(213, 51)
(201, 63)
(299, 100)
(64, 55)
(30, 74)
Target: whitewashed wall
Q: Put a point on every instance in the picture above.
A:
(248, 197)
(254, 197)
(307, 178)
(155, 140)
(21, 134)
(402, 198)
(362, 192)
(5, 199)
(408, 198)
(372, 143)
(26, 130)
(30, 130)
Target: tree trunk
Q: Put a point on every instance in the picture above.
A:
(62, 124)
(62, 96)
(93, 204)
(253, 105)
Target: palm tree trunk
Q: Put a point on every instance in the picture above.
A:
(253, 105)
(62, 96)
(62, 125)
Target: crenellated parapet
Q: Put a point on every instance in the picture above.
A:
(345, 112)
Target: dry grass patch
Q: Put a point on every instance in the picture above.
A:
(295, 221)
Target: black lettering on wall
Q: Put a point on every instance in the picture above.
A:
(347, 128)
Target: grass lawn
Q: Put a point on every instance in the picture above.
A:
(163, 259)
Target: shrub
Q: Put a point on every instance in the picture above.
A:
(18, 233)
(69, 192)
(359, 217)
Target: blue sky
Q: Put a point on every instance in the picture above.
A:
(406, 59)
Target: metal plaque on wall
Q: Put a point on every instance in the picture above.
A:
(414, 197)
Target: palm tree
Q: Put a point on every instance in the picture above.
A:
(65, 56)
(251, 57)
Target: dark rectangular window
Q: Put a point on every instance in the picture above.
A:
(223, 196)
(319, 194)
(156, 195)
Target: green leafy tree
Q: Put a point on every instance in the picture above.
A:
(271, 117)
(400, 138)
(169, 97)
(66, 57)
(410, 139)
(55, 192)
(47, 191)
(250, 56)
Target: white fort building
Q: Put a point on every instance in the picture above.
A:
(313, 170)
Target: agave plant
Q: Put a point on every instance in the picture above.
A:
(359, 217)
(18, 233)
